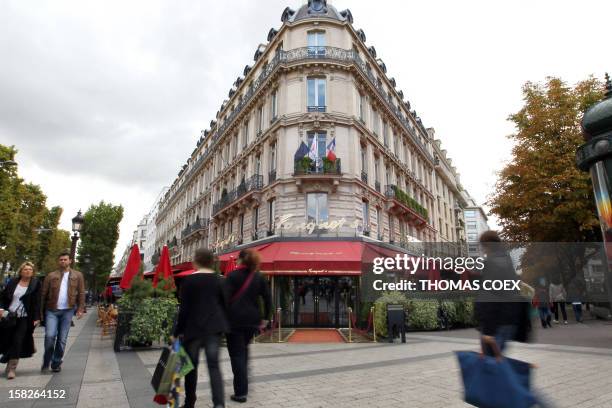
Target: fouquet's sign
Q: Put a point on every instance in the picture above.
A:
(304, 227)
(311, 227)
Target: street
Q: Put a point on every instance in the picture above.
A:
(575, 370)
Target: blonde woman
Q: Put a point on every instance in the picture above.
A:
(21, 299)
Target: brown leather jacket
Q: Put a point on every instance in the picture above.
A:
(51, 288)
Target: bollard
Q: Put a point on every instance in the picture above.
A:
(278, 315)
(373, 323)
(350, 313)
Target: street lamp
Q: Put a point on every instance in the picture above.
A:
(77, 225)
(595, 156)
(7, 163)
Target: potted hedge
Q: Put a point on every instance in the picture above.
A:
(146, 314)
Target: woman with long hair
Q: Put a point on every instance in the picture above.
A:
(245, 285)
(21, 300)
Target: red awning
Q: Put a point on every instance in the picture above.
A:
(184, 273)
(308, 258)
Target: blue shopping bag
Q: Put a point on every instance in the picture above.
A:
(492, 383)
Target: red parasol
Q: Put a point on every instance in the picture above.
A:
(230, 265)
(131, 269)
(163, 268)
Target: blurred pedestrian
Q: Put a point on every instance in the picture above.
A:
(574, 295)
(201, 323)
(542, 300)
(502, 316)
(558, 296)
(63, 294)
(246, 286)
(21, 297)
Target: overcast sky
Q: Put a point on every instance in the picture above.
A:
(105, 100)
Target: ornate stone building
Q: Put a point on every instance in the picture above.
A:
(314, 85)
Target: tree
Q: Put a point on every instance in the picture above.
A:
(99, 237)
(9, 204)
(24, 242)
(28, 229)
(540, 196)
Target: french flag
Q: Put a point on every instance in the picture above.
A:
(331, 150)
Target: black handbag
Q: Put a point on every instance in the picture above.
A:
(10, 320)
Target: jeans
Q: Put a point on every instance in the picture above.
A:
(544, 315)
(556, 306)
(57, 326)
(211, 344)
(238, 347)
(577, 311)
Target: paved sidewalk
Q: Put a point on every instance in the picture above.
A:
(421, 373)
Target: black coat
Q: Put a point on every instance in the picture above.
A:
(202, 309)
(244, 310)
(31, 303)
(500, 308)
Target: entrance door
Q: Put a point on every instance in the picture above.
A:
(316, 301)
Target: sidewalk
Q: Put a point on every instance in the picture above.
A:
(421, 373)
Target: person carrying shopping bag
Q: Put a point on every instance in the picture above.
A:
(201, 323)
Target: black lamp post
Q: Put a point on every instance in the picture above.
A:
(77, 224)
(7, 163)
(596, 156)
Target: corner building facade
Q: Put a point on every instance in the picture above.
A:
(249, 182)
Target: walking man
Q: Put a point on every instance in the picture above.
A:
(63, 292)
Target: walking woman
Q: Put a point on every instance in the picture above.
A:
(201, 323)
(21, 297)
(245, 286)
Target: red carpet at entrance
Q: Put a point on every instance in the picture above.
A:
(315, 336)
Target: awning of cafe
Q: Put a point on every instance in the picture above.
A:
(308, 257)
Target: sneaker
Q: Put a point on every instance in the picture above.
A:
(56, 369)
(44, 370)
(238, 399)
(565, 322)
(556, 321)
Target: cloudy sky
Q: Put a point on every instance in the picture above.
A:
(105, 99)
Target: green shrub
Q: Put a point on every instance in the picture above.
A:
(448, 309)
(380, 310)
(153, 320)
(464, 313)
(423, 314)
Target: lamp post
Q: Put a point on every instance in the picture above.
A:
(595, 156)
(77, 224)
(7, 163)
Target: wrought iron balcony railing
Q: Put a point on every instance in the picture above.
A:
(254, 183)
(377, 186)
(316, 108)
(396, 193)
(197, 225)
(305, 167)
(364, 177)
(285, 57)
(272, 177)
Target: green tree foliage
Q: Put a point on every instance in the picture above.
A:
(99, 237)
(28, 229)
(540, 195)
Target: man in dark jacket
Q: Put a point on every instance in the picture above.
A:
(201, 323)
(501, 315)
